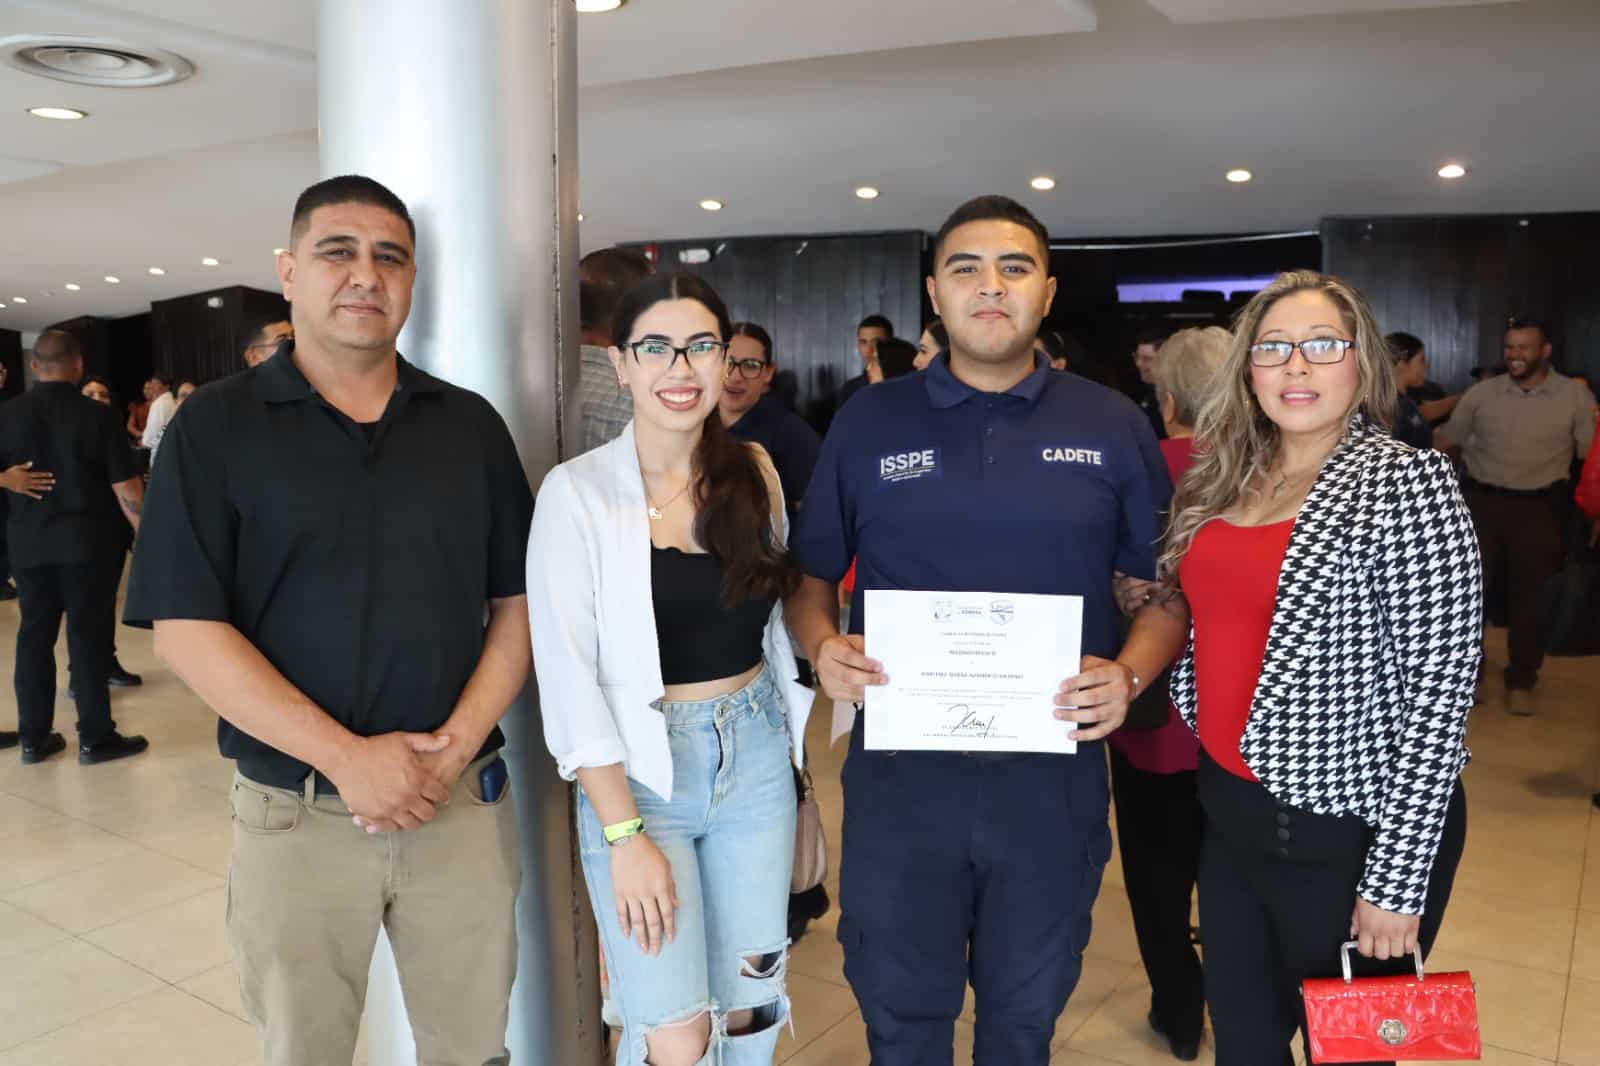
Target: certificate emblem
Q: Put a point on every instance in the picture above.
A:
(1001, 612)
(943, 610)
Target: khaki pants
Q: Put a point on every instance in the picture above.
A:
(308, 890)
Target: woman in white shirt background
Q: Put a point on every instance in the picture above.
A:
(657, 571)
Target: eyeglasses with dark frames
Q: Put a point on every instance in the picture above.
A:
(660, 354)
(1320, 351)
(749, 369)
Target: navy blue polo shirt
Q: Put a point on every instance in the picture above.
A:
(930, 484)
(788, 439)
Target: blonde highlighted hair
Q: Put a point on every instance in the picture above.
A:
(1239, 443)
(1186, 364)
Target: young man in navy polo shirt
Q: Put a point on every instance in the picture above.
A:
(989, 472)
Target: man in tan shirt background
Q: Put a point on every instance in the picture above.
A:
(1518, 435)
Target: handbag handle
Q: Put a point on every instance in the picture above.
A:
(1350, 945)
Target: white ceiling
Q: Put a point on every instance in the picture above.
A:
(1137, 107)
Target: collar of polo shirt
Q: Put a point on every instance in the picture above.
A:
(278, 380)
(947, 390)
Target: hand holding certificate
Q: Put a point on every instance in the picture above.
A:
(971, 671)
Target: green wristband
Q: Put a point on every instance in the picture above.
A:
(617, 832)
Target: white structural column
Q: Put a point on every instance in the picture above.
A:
(467, 109)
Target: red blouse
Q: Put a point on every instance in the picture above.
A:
(1230, 577)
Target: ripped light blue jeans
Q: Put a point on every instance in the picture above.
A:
(728, 832)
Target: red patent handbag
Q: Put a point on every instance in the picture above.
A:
(1382, 1019)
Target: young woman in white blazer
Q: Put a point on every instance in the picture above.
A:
(657, 573)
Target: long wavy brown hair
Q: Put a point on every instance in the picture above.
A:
(1238, 442)
(733, 510)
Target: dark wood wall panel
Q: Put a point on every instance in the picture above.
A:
(11, 359)
(1454, 280)
(195, 341)
(809, 293)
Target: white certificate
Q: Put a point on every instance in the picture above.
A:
(971, 671)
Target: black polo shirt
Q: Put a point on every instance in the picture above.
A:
(357, 559)
(83, 444)
(792, 444)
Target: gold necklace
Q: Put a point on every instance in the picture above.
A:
(656, 513)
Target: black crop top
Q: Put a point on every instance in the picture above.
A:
(699, 638)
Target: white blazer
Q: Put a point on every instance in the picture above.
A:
(594, 624)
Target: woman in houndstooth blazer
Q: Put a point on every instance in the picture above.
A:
(1336, 593)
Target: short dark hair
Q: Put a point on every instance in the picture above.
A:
(876, 322)
(596, 304)
(1150, 334)
(985, 208)
(941, 336)
(757, 334)
(255, 326)
(96, 379)
(55, 347)
(1403, 347)
(1528, 322)
(166, 382)
(347, 189)
(896, 357)
(619, 268)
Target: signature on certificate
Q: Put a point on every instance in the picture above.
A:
(963, 721)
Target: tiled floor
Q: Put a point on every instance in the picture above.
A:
(112, 949)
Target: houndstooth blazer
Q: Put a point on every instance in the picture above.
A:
(1372, 657)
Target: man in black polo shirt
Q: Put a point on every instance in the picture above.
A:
(753, 413)
(978, 865)
(333, 560)
(66, 548)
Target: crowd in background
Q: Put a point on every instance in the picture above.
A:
(334, 551)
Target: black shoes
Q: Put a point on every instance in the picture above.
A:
(116, 746)
(1184, 1049)
(804, 908)
(120, 678)
(8, 739)
(50, 745)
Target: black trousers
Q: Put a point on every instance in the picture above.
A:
(1272, 920)
(1521, 533)
(1159, 823)
(87, 594)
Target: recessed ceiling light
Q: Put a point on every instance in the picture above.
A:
(1451, 171)
(598, 7)
(19, 299)
(1239, 176)
(210, 262)
(711, 205)
(866, 192)
(112, 279)
(580, 216)
(72, 286)
(1043, 183)
(156, 272)
(65, 114)
(279, 251)
(2, 307)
